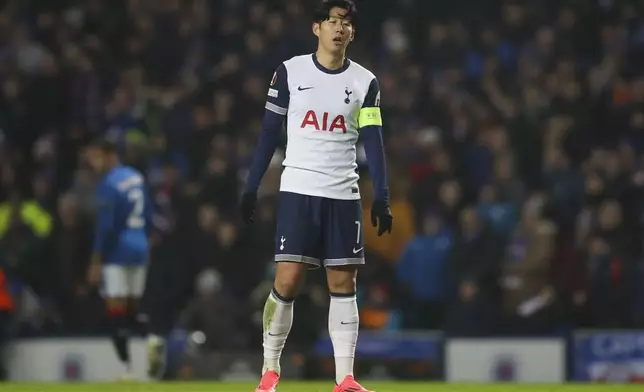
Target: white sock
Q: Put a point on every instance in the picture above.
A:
(343, 329)
(278, 319)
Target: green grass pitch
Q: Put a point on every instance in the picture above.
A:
(310, 387)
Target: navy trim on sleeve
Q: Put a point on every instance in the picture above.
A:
(278, 93)
(372, 99)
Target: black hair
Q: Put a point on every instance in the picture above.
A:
(322, 11)
(107, 145)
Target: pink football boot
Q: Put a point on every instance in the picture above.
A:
(349, 384)
(269, 382)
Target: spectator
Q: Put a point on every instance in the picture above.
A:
(421, 274)
(510, 188)
(204, 314)
(611, 270)
(70, 247)
(474, 270)
(24, 229)
(528, 294)
(565, 186)
(500, 215)
(450, 200)
(375, 309)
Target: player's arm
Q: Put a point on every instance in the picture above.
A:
(370, 124)
(104, 221)
(276, 109)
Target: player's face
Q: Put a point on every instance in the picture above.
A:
(335, 33)
(96, 159)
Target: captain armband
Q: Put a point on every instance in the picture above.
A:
(369, 116)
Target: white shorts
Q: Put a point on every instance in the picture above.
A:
(123, 281)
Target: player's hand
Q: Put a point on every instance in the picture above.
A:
(94, 274)
(248, 203)
(381, 217)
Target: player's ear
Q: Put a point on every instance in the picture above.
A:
(353, 35)
(316, 29)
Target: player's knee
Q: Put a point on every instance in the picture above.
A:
(288, 279)
(342, 280)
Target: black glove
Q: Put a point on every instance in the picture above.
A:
(381, 217)
(249, 200)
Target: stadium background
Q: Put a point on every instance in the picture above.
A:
(514, 135)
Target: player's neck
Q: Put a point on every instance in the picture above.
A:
(330, 61)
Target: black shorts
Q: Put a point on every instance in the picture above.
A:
(319, 231)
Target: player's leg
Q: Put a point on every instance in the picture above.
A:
(296, 249)
(152, 325)
(168, 288)
(115, 294)
(278, 312)
(343, 318)
(139, 321)
(344, 253)
(136, 287)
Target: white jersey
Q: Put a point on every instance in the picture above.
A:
(324, 111)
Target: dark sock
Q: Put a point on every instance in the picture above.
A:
(120, 337)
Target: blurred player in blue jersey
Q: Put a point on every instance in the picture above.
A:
(120, 252)
(328, 103)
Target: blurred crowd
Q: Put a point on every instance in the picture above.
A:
(514, 134)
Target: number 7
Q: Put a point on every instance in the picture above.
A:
(358, 232)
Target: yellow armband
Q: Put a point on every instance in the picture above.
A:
(369, 116)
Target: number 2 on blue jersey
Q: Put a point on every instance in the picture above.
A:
(136, 220)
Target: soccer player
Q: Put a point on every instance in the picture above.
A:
(120, 252)
(327, 102)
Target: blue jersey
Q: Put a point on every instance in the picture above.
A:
(124, 217)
